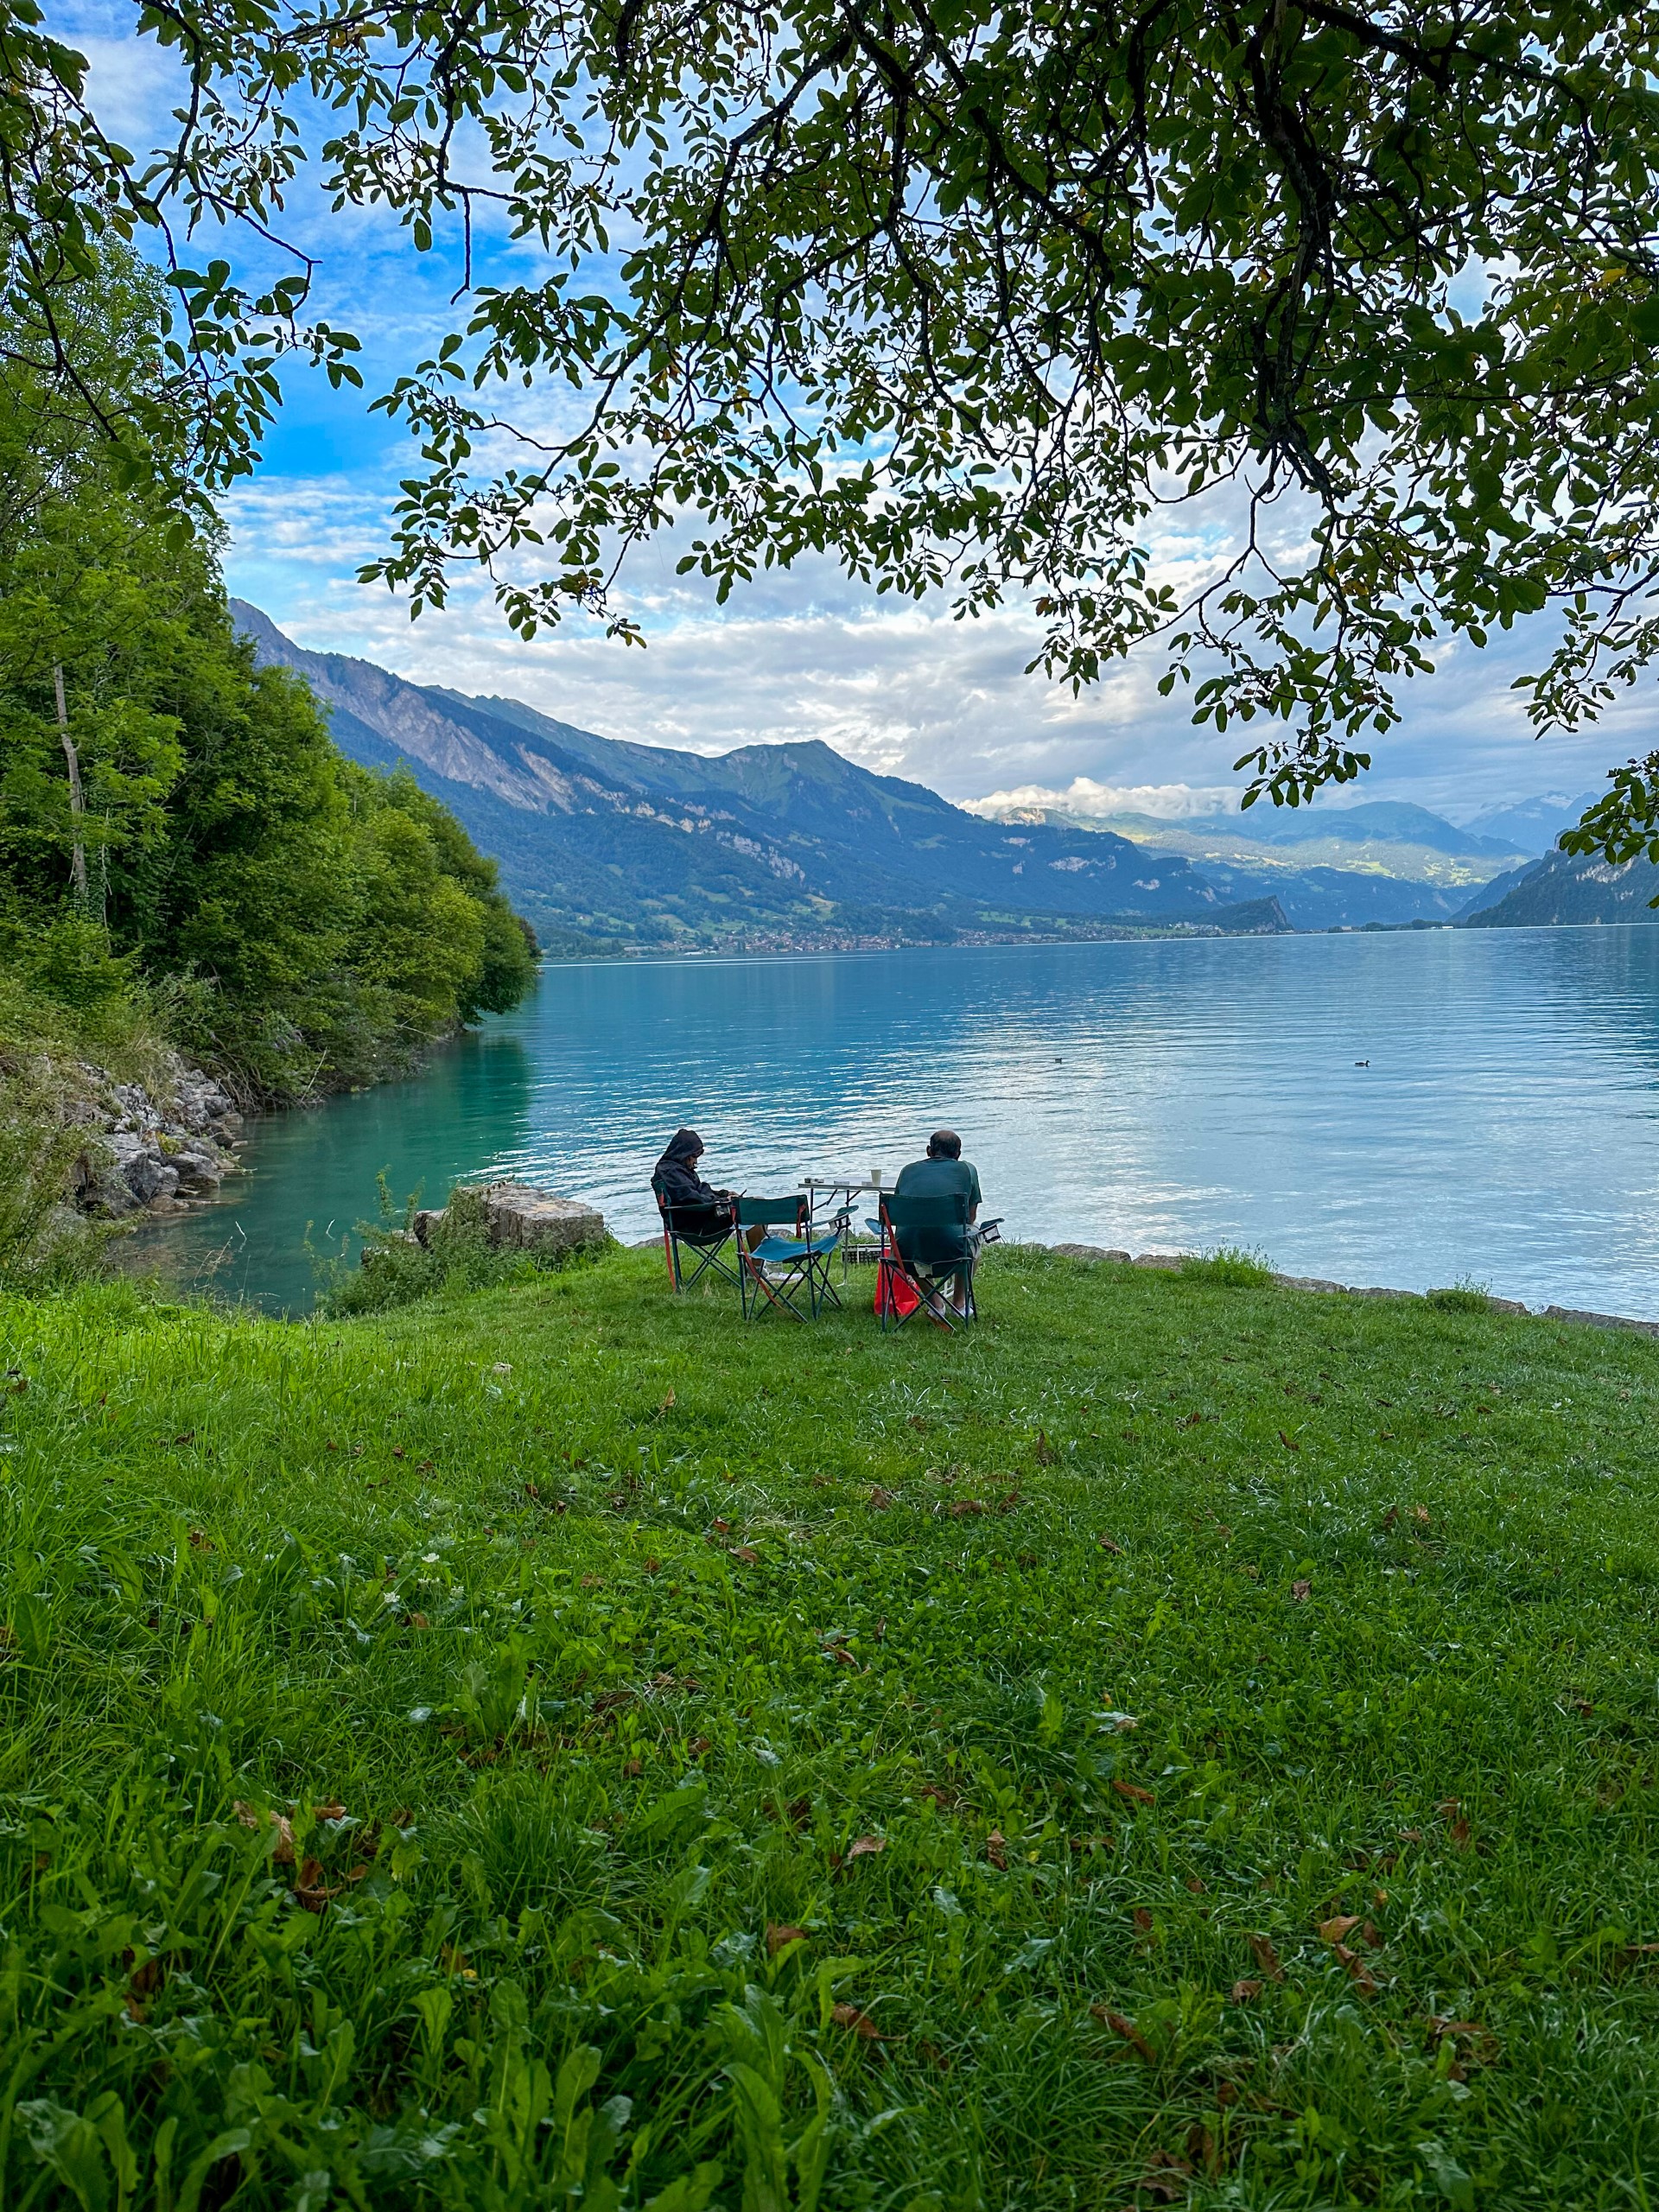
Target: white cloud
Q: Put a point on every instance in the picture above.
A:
(902, 687)
(1083, 796)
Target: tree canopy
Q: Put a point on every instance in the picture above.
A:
(175, 823)
(961, 294)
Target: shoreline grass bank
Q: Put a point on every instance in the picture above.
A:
(1185, 1741)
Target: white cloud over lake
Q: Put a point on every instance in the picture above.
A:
(903, 688)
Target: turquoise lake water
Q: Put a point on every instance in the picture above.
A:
(1153, 1096)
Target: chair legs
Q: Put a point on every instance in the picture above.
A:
(707, 1258)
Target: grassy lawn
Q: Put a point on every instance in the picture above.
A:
(556, 1747)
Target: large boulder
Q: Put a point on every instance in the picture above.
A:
(520, 1217)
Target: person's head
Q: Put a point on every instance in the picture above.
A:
(944, 1144)
(686, 1144)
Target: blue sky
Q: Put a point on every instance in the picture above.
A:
(904, 689)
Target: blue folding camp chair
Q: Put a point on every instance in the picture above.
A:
(924, 1241)
(791, 1260)
(688, 1229)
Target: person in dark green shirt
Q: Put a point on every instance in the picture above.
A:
(943, 1173)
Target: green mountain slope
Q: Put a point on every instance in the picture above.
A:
(1566, 890)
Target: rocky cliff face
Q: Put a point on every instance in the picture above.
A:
(154, 1149)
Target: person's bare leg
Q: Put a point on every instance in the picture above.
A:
(959, 1294)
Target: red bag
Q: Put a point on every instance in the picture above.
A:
(895, 1294)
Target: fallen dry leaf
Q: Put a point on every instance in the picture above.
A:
(722, 1526)
(1334, 1929)
(1127, 2029)
(283, 1853)
(996, 1850)
(777, 1938)
(1419, 1513)
(747, 1552)
(454, 1961)
(1143, 1920)
(1358, 1972)
(333, 1810)
(1267, 1958)
(665, 1402)
(880, 1499)
(1289, 1443)
(866, 1846)
(198, 1542)
(1300, 1591)
(1107, 1544)
(1134, 1792)
(849, 2016)
(419, 1620)
(1044, 1452)
(1243, 1992)
(959, 1506)
(1390, 1517)
(1459, 1834)
(1197, 1886)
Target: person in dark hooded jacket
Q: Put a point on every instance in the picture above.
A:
(699, 1209)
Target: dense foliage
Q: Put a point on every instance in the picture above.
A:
(177, 824)
(1191, 1742)
(962, 293)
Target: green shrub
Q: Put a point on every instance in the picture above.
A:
(1464, 1296)
(1229, 1264)
(43, 1244)
(397, 1269)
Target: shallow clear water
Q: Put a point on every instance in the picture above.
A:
(1153, 1096)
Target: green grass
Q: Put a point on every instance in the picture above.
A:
(1158, 1624)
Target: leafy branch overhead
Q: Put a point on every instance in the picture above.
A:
(961, 294)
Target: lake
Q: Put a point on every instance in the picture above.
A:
(1156, 1095)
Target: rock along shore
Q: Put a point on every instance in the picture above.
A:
(150, 1148)
(1174, 1262)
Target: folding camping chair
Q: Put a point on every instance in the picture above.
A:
(775, 1272)
(924, 1240)
(706, 1245)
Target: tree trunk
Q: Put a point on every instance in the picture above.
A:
(77, 801)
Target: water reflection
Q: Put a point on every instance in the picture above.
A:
(1175, 1093)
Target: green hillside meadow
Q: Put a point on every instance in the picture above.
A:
(558, 1747)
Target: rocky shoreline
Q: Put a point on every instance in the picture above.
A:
(157, 1148)
(1096, 1255)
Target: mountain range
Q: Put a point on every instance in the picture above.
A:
(604, 843)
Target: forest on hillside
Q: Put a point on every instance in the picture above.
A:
(185, 857)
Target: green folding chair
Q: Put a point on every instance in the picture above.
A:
(924, 1241)
(790, 1261)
